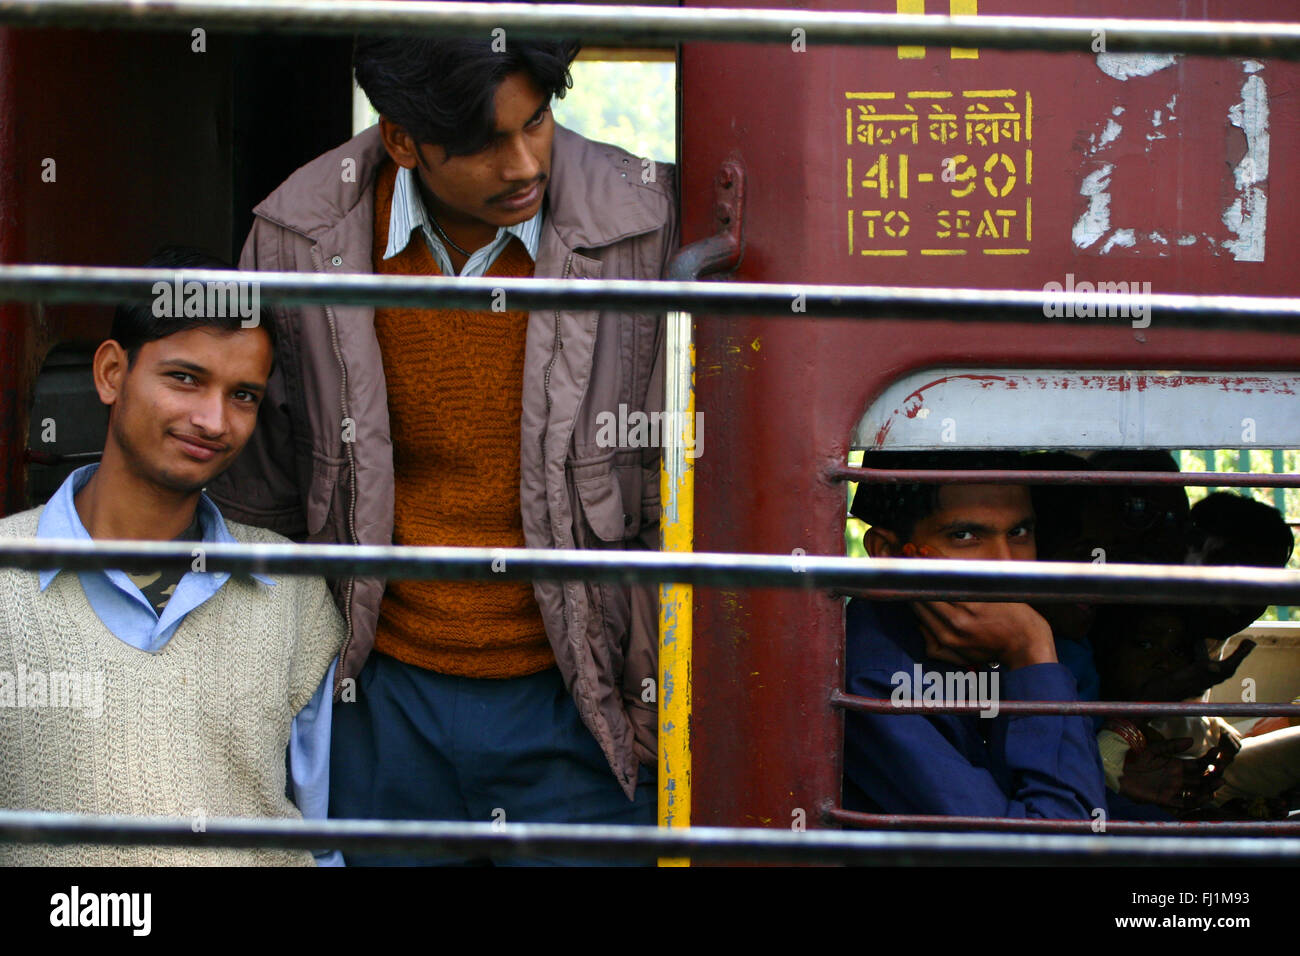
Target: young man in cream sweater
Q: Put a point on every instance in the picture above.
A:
(156, 692)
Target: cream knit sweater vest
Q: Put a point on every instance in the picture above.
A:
(198, 730)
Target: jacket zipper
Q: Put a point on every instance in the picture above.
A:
(546, 388)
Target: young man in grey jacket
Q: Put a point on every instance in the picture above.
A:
(441, 426)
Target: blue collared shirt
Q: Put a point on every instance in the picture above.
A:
(956, 764)
(129, 615)
(408, 212)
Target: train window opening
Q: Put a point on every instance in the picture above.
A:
(1166, 655)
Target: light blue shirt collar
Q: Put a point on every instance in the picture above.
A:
(408, 212)
(59, 519)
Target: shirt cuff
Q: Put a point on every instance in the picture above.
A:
(1114, 749)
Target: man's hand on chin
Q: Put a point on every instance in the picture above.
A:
(972, 633)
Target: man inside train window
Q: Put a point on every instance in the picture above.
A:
(988, 764)
(512, 701)
(165, 691)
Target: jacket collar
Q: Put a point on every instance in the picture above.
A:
(595, 196)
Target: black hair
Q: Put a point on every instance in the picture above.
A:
(899, 507)
(441, 90)
(1230, 529)
(1058, 509)
(136, 323)
(1252, 533)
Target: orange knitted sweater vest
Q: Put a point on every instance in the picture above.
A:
(455, 394)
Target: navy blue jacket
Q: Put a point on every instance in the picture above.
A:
(1001, 766)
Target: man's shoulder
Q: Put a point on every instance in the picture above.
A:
(617, 162)
(290, 587)
(23, 524)
(606, 193)
(317, 195)
(252, 534)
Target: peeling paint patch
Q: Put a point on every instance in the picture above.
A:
(1247, 215)
(1124, 66)
(1120, 237)
(1187, 240)
(1094, 222)
(1110, 133)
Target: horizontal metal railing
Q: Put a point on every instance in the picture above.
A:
(1193, 479)
(900, 577)
(1069, 708)
(667, 25)
(55, 284)
(703, 844)
(919, 821)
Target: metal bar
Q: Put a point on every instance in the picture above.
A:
(918, 476)
(915, 821)
(677, 601)
(666, 25)
(1279, 502)
(902, 577)
(721, 844)
(1069, 708)
(53, 284)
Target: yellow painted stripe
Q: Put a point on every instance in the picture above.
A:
(1029, 167)
(884, 252)
(929, 94)
(977, 94)
(1006, 252)
(1029, 116)
(850, 182)
(848, 126)
(676, 605)
(963, 8)
(911, 52)
(1029, 219)
(873, 95)
(902, 176)
(850, 232)
(943, 252)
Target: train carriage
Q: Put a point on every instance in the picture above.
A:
(1093, 177)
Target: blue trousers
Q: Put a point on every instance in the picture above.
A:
(417, 745)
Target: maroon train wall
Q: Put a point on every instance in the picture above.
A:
(937, 167)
